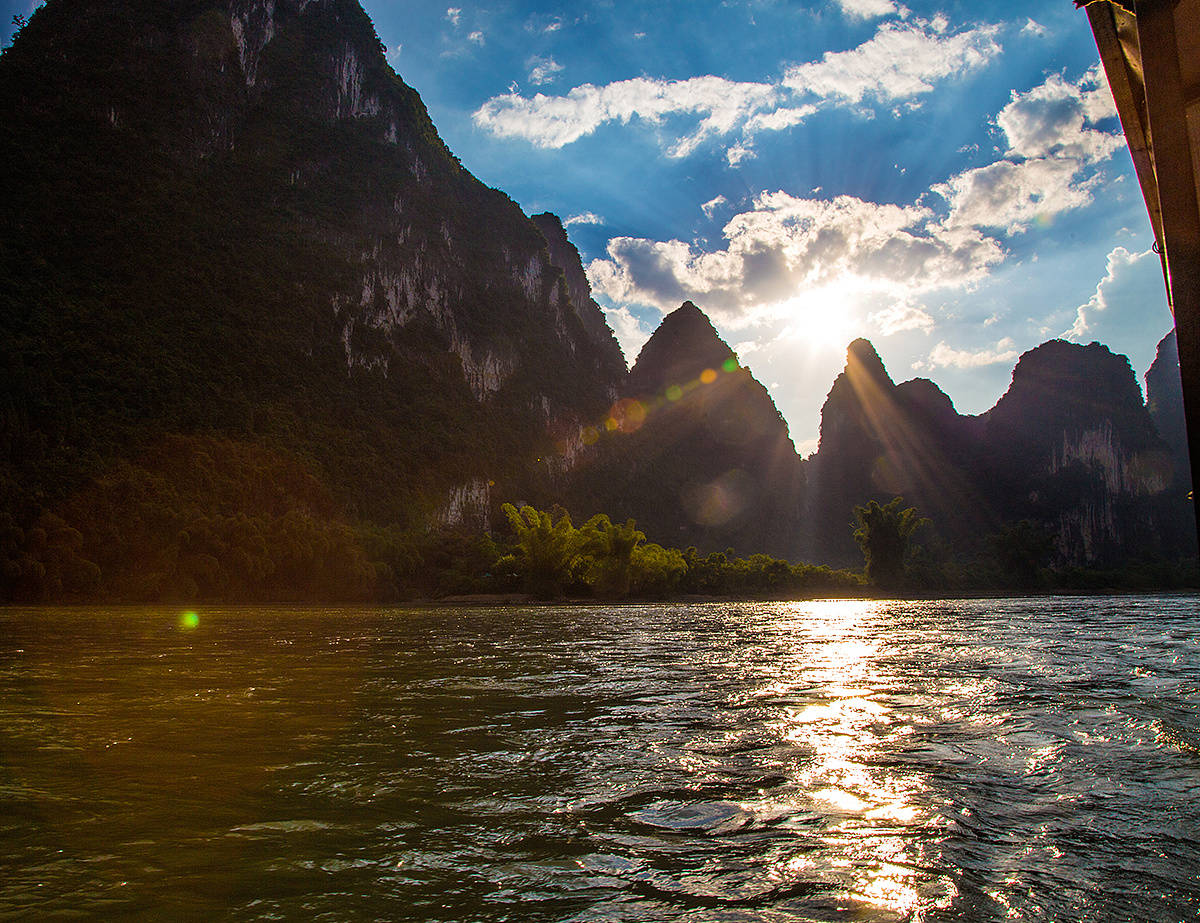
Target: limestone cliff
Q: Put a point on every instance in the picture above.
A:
(233, 216)
(1070, 446)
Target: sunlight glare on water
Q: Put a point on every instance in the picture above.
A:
(969, 761)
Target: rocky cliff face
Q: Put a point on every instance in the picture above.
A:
(606, 352)
(1164, 401)
(1070, 446)
(696, 451)
(233, 215)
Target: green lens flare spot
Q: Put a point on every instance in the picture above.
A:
(674, 393)
(189, 621)
(730, 364)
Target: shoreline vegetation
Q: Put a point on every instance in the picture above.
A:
(272, 536)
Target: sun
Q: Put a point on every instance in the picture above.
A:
(823, 319)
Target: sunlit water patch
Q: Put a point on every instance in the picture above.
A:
(844, 760)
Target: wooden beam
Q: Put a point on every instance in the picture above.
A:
(1178, 200)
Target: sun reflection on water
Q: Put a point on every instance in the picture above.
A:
(873, 825)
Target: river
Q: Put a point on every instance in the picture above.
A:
(1034, 759)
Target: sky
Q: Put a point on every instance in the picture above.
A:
(947, 179)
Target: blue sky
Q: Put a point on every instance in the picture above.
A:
(946, 179)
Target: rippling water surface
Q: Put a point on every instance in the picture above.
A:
(979, 760)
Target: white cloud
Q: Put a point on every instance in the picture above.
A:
(543, 70)
(900, 317)
(944, 356)
(454, 15)
(1049, 121)
(1036, 29)
(630, 333)
(476, 37)
(867, 9)
(1050, 150)
(901, 61)
(712, 205)
(554, 121)
(1013, 195)
(786, 247)
(1120, 265)
(585, 218)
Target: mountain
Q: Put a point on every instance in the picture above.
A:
(237, 218)
(1164, 401)
(879, 440)
(234, 220)
(1070, 447)
(696, 450)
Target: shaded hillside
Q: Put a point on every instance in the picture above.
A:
(697, 450)
(879, 440)
(234, 218)
(1069, 447)
(1164, 401)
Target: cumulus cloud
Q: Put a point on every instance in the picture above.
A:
(784, 245)
(1050, 150)
(1121, 267)
(1034, 28)
(543, 70)
(868, 9)
(904, 59)
(1012, 195)
(630, 333)
(1049, 121)
(944, 356)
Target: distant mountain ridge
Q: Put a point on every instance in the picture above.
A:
(1070, 446)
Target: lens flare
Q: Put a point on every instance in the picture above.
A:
(708, 376)
(729, 365)
(189, 621)
(627, 415)
(720, 500)
(674, 393)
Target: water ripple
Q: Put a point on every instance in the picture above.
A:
(845, 760)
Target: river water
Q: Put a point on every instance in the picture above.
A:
(844, 760)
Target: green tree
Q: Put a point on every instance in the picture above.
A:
(655, 570)
(548, 551)
(883, 533)
(1022, 549)
(611, 547)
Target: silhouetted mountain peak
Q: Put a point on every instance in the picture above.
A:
(922, 395)
(1066, 384)
(684, 346)
(861, 354)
